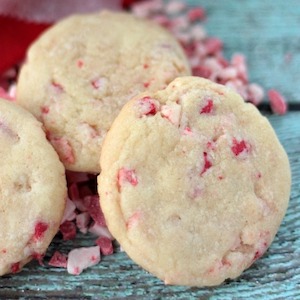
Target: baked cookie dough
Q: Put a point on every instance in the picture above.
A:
(194, 182)
(32, 189)
(80, 73)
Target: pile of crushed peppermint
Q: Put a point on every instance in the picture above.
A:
(83, 212)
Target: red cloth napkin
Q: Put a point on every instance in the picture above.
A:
(21, 21)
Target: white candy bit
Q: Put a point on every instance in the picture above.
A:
(183, 37)
(198, 33)
(82, 221)
(255, 93)
(12, 91)
(180, 23)
(228, 73)
(100, 231)
(69, 213)
(146, 8)
(213, 64)
(82, 258)
(175, 7)
(171, 112)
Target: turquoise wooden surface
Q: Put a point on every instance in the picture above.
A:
(268, 32)
(265, 31)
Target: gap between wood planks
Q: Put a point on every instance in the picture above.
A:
(265, 107)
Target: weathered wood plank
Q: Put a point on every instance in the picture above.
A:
(275, 276)
(267, 32)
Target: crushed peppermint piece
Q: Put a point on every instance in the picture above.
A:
(239, 147)
(205, 53)
(68, 230)
(100, 231)
(147, 106)
(82, 258)
(69, 213)
(39, 230)
(207, 163)
(15, 267)
(278, 102)
(82, 221)
(208, 107)
(105, 244)
(63, 148)
(59, 260)
(93, 207)
(127, 176)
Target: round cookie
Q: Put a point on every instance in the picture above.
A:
(194, 182)
(32, 189)
(80, 73)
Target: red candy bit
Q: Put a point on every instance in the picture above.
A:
(133, 219)
(258, 175)
(58, 260)
(93, 207)
(68, 230)
(3, 251)
(105, 245)
(146, 84)
(96, 83)
(15, 267)
(45, 109)
(278, 102)
(213, 45)
(146, 66)
(208, 107)
(127, 176)
(202, 71)
(239, 147)
(207, 163)
(82, 258)
(147, 106)
(196, 14)
(39, 257)
(64, 149)
(58, 88)
(211, 145)
(80, 63)
(39, 230)
(187, 131)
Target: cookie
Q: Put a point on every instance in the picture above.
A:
(32, 189)
(80, 73)
(194, 182)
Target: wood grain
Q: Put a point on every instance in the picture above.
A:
(265, 31)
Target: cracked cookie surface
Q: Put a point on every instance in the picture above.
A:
(80, 73)
(32, 189)
(194, 182)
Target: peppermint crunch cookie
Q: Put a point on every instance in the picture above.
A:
(80, 73)
(194, 182)
(32, 189)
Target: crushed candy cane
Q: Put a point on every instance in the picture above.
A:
(82, 258)
(83, 214)
(205, 53)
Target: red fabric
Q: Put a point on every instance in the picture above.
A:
(15, 37)
(22, 21)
